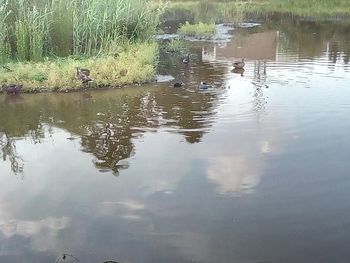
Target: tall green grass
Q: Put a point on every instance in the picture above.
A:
(43, 28)
(3, 30)
(32, 28)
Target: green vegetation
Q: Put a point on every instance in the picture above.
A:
(200, 30)
(33, 30)
(175, 46)
(209, 11)
(316, 8)
(39, 37)
(134, 64)
(234, 10)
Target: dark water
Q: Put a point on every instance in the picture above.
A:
(253, 170)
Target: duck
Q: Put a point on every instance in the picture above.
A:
(7, 68)
(13, 89)
(179, 84)
(203, 86)
(239, 64)
(238, 71)
(83, 75)
(186, 59)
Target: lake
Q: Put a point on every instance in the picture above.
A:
(253, 169)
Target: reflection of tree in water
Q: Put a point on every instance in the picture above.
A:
(18, 119)
(259, 82)
(109, 143)
(8, 149)
(310, 38)
(109, 121)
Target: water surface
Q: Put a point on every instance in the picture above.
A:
(252, 170)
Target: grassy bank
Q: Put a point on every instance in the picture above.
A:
(316, 8)
(42, 41)
(134, 64)
(225, 11)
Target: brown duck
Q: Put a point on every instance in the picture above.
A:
(83, 74)
(239, 64)
(13, 89)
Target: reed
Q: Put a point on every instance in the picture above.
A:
(46, 28)
(3, 31)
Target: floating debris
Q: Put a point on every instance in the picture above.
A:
(247, 25)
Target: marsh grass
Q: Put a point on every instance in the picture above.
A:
(200, 30)
(3, 30)
(175, 46)
(209, 11)
(134, 63)
(223, 11)
(317, 8)
(44, 28)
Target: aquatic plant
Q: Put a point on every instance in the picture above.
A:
(175, 46)
(200, 30)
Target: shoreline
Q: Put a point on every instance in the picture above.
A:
(134, 65)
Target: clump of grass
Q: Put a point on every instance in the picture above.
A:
(200, 30)
(175, 46)
(135, 64)
(32, 30)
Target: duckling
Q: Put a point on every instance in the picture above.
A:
(83, 75)
(239, 64)
(13, 89)
(179, 84)
(186, 59)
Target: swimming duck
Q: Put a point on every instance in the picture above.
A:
(203, 86)
(239, 64)
(238, 71)
(186, 59)
(83, 75)
(13, 89)
(179, 84)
